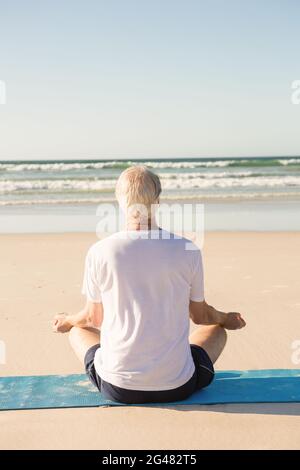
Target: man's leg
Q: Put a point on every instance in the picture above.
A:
(211, 338)
(82, 339)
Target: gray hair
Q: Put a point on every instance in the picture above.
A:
(137, 185)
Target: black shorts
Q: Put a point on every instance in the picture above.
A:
(202, 377)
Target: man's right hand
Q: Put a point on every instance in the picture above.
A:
(61, 323)
(233, 321)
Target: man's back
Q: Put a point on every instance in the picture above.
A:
(141, 288)
(145, 280)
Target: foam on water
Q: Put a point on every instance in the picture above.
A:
(178, 182)
(64, 165)
(60, 182)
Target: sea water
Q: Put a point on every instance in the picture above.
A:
(236, 193)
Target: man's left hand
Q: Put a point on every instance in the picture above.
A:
(233, 321)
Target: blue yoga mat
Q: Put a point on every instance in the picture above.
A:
(72, 391)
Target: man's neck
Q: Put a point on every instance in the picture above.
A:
(133, 225)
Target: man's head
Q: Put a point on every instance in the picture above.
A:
(138, 187)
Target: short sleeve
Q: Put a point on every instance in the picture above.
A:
(90, 285)
(197, 284)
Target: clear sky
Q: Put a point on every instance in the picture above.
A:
(149, 78)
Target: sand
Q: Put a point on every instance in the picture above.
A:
(255, 273)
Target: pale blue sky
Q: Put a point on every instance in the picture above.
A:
(141, 78)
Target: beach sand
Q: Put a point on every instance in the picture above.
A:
(257, 274)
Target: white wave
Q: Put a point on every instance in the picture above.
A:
(290, 161)
(122, 164)
(9, 186)
(229, 182)
(168, 183)
(65, 166)
(196, 164)
(220, 174)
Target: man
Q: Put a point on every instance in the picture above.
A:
(142, 285)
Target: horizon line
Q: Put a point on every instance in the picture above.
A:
(120, 159)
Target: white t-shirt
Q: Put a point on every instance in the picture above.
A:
(145, 280)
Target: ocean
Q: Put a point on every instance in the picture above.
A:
(83, 181)
(263, 187)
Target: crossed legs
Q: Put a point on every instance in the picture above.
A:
(212, 338)
(82, 339)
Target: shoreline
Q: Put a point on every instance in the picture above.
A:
(205, 199)
(268, 216)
